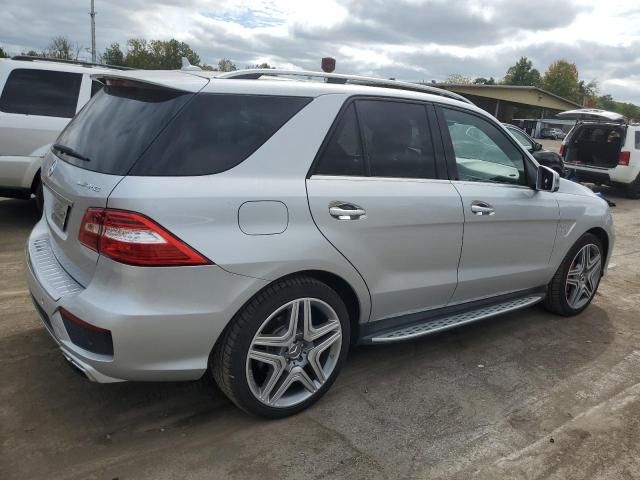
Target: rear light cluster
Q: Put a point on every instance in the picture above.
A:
(562, 149)
(623, 158)
(134, 239)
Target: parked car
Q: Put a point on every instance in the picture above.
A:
(253, 230)
(544, 157)
(603, 148)
(39, 97)
(552, 133)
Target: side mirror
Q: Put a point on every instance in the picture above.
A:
(537, 147)
(547, 180)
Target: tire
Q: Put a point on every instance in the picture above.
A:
(560, 291)
(633, 190)
(39, 196)
(260, 387)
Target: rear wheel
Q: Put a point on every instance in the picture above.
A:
(284, 349)
(633, 190)
(576, 281)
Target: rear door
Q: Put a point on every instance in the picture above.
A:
(377, 193)
(510, 228)
(93, 154)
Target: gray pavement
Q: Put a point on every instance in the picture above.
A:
(526, 395)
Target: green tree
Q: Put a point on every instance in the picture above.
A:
(522, 73)
(260, 65)
(484, 81)
(158, 54)
(33, 53)
(561, 78)
(226, 65)
(3, 54)
(457, 79)
(113, 55)
(60, 47)
(588, 92)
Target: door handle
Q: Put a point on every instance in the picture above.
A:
(482, 208)
(346, 211)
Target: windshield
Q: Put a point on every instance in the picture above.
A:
(117, 125)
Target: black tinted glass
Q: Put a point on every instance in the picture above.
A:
(41, 92)
(397, 139)
(217, 132)
(343, 154)
(118, 124)
(95, 87)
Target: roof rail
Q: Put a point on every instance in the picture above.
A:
(256, 73)
(30, 58)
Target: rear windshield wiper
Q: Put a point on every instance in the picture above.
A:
(71, 152)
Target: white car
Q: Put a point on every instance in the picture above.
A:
(39, 97)
(603, 148)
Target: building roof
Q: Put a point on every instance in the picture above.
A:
(524, 95)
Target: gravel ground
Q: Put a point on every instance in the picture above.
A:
(526, 395)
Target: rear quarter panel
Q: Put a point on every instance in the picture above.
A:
(204, 210)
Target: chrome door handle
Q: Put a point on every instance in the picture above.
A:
(346, 211)
(481, 208)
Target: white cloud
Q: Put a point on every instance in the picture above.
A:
(406, 39)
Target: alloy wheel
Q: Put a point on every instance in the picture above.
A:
(294, 352)
(583, 276)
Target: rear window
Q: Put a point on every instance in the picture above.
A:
(118, 124)
(637, 139)
(216, 132)
(41, 92)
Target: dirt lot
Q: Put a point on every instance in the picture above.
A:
(527, 395)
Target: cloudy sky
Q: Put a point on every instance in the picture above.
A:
(406, 39)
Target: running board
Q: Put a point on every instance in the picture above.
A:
(434, 325)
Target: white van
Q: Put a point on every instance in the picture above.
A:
(39, 97)
(603, 148)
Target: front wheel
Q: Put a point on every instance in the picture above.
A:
(284, 349)
(576, 281)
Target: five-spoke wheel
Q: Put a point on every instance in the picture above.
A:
(284, 349)
(294, 352)
(576, 281)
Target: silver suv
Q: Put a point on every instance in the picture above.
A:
(254, 226)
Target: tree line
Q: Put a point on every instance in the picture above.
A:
(561, 78)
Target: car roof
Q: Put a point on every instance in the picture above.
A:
(8, 64)
(214, 82)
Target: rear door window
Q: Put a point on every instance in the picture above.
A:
(216, 132)
(397, 139)
(343, 154)
(41, 92)
(380, 138)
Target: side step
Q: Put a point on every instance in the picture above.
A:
(439, 324)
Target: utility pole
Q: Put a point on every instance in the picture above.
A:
(92, 14)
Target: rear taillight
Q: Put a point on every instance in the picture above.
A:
(562, 149)
(134, 239)
(623, 158)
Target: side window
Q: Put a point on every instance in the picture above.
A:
(343, 154)
(637, 140)
(520, 137)
(95, 87)
(215, 133)
(483, 153)
(397, 139)
(41, 92)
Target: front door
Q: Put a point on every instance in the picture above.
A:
(510, 228)
(376, 195)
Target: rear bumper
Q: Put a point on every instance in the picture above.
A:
(164, 321)
(619, 175)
